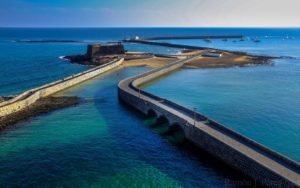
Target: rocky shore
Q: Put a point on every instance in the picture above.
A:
(42, 106)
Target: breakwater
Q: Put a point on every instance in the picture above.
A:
(189, 47)
(165, 44)
(151, 41)
(48, 41)
(195, 37)
(29, 97)
(249, 157)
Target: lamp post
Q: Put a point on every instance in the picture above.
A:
(194, 116)
(139, 92)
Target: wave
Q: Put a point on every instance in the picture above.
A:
(62, 58)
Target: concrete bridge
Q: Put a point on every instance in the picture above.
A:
(247, 156)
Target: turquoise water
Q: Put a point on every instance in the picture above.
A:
(264, 108)
(102, 143)
(27, 65)
(261, 102)
(99, 143)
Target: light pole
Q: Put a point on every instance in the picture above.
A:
(194, 116)
(139, 92)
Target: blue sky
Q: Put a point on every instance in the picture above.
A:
(149, 13)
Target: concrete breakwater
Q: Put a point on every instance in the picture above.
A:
(166, 44)
(247, 156)
(182, 46)
(195, 37)
(29, 97)
(48, 41)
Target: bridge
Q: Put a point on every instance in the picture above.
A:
(267, 167)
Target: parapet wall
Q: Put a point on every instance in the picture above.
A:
(29, 97)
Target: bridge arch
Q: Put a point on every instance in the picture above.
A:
(161, 126)
(151, 114)
(176, 133)
(151, 118)
(163, 120)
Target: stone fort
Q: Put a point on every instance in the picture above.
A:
(94, 50)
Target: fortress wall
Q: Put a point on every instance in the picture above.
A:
(29, 97)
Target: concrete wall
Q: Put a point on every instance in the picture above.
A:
(29, 97)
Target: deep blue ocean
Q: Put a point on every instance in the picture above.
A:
(102, 143)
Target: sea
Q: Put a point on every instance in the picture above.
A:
(103, 143)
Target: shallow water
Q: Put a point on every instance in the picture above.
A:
(261, 102)
(103, 143)
(27, 65)
(100, 143)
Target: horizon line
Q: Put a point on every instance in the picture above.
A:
(166, 27)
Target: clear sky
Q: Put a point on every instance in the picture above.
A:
(149, 13)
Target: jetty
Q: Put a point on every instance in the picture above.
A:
(183, 46)
(204, 37)
(265, 166)
(48, 41)
(26, 99)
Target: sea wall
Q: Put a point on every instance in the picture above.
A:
(193, 37)
(29, 97)
(241, 153)
(183, 46)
